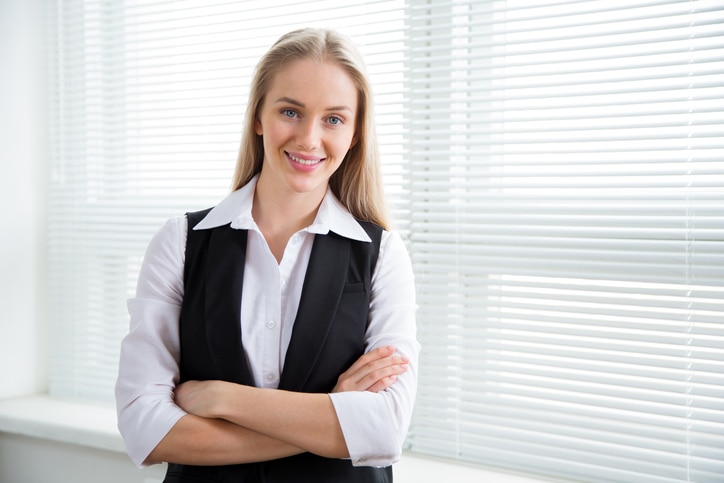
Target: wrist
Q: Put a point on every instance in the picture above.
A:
(220, 396)
(226, 397)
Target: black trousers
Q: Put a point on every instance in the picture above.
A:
(303, 468)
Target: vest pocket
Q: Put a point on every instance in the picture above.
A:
(354, 287)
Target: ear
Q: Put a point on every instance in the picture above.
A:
(257, 126)
(355, 138)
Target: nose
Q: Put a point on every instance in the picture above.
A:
(308, 135)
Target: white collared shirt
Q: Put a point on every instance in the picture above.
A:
(374, 425)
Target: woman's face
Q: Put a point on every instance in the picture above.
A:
(307, 121)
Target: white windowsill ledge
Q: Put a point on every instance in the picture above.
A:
(45, 417)
(94, 425)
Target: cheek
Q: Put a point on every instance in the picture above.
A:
(273, 133)
(344, 144)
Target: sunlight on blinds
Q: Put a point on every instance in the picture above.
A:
(148, 100)
(555, 167)
(567, 222)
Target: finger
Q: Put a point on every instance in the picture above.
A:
(380, 368)
(353, 372)
(383, 384)
(379, 363)
(370, 357)
(371, 368)
(374, 377)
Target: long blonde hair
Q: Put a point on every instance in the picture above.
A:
(357, 183)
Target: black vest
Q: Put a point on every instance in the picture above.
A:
(328, 336)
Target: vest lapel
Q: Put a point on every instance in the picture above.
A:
(323, 286)
(224, 277)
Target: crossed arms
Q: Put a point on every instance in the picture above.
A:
(230, 423)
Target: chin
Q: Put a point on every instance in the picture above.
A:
(308, 186)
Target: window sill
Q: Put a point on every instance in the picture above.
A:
(94, 425)
(50, 418)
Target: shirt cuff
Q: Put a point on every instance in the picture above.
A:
(367, 426)
(143, 427)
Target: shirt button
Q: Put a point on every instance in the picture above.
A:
(271, 324)
(271, 377)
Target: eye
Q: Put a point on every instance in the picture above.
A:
(335, 120)
(290, 113)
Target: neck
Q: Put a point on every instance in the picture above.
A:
(276, 210)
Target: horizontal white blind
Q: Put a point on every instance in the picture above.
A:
(567, 227)
(148, 99)
(556, 167)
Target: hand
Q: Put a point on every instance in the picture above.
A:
(201, 398)
(375, 371)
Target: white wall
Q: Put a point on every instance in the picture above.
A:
(22, 198)
(24, 459)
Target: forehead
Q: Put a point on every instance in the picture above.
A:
(314, 83)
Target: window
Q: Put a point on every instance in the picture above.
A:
(555, 167)
(148, 103)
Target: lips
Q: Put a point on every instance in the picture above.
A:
(305, 160)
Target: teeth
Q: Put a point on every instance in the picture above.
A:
(307, 162)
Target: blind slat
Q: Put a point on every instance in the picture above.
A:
(557, 175)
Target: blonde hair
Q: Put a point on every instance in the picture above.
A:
(357, 183)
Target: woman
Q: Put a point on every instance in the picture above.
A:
(272, 338)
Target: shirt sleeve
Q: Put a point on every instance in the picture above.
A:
(375, 424)
(149, 361)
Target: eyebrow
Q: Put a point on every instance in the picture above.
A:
(295, 102)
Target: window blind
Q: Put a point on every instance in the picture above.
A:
(567, 226)
(148, 99)
(555, 166)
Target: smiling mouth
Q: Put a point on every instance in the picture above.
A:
(305, 162)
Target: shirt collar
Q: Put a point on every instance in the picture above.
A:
(235, 209)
